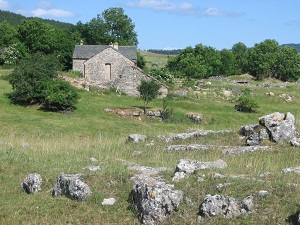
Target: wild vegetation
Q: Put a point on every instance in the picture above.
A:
(50, 143)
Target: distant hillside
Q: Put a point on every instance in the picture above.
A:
(297, 46)
(15, 19)
(165, 52)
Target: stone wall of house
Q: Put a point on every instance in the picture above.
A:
(125, 76)
(95, 67)
(78, 65)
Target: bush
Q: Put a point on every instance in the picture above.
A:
(35, 81)
(246, 102)
(59, 96)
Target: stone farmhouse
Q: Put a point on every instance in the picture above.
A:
(111, 66)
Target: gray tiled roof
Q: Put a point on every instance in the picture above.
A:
(88, 51)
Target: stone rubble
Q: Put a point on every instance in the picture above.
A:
(32, 183)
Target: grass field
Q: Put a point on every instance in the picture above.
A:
(50, 143)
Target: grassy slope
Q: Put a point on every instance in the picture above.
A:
(64, 143)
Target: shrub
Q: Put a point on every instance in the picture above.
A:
(59, 95)
(246, 102)
(149, 90)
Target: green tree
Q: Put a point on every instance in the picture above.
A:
(149, 90)
(35, 81)
(8, 34)
(288, 64)
(240, 52)
(262, 59)
(112, 25)
(246, 102)
(228, 63)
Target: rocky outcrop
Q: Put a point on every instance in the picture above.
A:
(275, 127)
(224, 206)
(195, 117)
(152, 197)
(186, 167)
(32, 183)
(280, 126)
(72, 186)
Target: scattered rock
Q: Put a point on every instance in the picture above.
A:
(291, 170)
(136, 153)
(247, 130)
(108, 201)
(243, 149)
(253, 139)
(92, 159)
(227, 207)
(195, 134)
(92, 168)
(263, 193)
(191, 147)
(72, 186)
(265, 174)
(32, 183)
(195, 117)
(136, 138)
(295, 142)
(185, 167)
(219, 187)
(280, 126)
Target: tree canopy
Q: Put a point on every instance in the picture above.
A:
(111, 26)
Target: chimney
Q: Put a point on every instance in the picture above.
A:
(116, 45)
(81, 42)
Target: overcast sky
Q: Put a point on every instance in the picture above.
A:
(177, 24)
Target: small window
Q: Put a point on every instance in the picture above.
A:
(107, 71)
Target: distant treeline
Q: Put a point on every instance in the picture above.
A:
(15, 19)
(296, 46)
(166, 52)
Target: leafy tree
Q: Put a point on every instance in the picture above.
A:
(228, 62)
(8, 34)
(113, 25)
(240, 52)
(262, 59)
(12, 54)
(162, 74)
(288, 64)
(149, 90)
(35, 81)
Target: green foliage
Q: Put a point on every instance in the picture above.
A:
(141, 62)
(34, 81)
(13, 53)
(58, 95)
(166, 112)
(240, 52)
(149, 90)
(113, 25)
(228, 62)
(162, 74)
(246, 102)
(8, 34)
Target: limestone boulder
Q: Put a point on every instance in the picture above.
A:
(154, 199)
(280, 126)
(72, 186)
(225, 206)
(32, 183)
